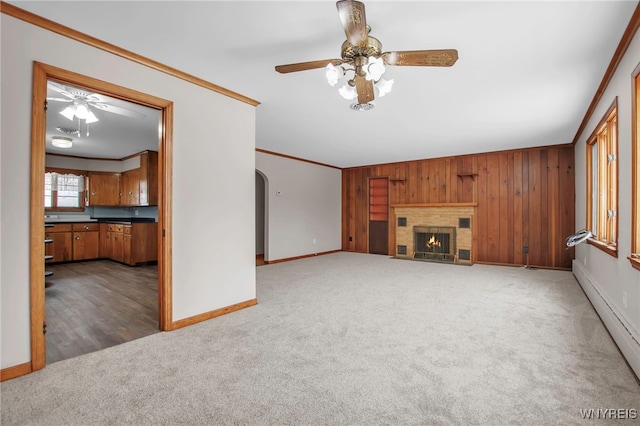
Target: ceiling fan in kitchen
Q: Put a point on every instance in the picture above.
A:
(81, 105)
(362, 55)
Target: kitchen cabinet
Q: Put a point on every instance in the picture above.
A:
(115, 242)
(130, 244)
(130, 182)
(86, 241)
(149, 178)
(104, 189)
(60, 248)
(140, 243)
(139, 187)
(104, 241)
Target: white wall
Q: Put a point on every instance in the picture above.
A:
(213, 180)
(306, 217)
(612, 285)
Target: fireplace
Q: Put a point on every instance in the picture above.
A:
(450, 225)
(434, 243)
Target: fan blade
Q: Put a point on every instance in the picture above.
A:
(428, 58)
(60, 89)
(364, 88)
(118, 110)
(303, 66)
(354, 21)
(60, 99)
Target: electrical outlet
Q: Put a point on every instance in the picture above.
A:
(350, 238)
(314, 241)
(525, 249)
(624, 299)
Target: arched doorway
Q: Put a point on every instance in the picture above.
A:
(262, 199)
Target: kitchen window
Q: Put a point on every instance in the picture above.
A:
(64, 190)
(602, 183)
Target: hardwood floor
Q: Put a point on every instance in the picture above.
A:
(260, 259)
(96, 304)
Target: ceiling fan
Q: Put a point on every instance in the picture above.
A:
(82, 103)
(363, 55)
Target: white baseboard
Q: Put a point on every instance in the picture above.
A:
(627, 339)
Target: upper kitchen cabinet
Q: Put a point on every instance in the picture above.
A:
(104, 189)
(130, 183)
(149, 178)
(131, 188)
(140, 186)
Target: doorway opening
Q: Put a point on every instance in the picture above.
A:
(161, 272)
(262, 199)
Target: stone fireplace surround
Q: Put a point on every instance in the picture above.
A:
(424, 215)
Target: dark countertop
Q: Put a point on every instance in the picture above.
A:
(121, 220)
(125, 220)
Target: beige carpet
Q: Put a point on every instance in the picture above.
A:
(355, 339)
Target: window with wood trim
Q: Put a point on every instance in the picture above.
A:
(602, 182)
(64, 190)
(635, 171)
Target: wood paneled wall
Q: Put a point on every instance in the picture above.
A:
(524, 198)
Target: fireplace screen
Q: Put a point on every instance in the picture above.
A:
(434, 242)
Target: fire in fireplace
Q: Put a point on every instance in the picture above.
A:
(435, 243)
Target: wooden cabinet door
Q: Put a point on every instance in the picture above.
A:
(116, 246)
(60, 248)
(131, 188)
(103, 251)
(86, 245)
(104, 189)
(149, 178)
(127, 253)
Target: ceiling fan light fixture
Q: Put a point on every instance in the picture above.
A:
(68, 112)
(362, 107)
(348, 92)
(362, 54)
(384, 86)
(91, 117)
(82, 110)
(374, 69)
(62, 142)
(332, 74)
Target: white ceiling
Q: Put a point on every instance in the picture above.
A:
(113, 136)
(526, 73)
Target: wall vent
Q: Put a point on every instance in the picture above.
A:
(402, 221)
(464, 222)
(402, 250)
(464, 254)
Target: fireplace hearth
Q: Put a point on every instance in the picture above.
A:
(436, 243)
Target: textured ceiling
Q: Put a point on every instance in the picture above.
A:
(526, 73)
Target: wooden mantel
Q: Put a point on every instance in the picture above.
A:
(423, 205)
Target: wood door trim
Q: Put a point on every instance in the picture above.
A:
(42, 73)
